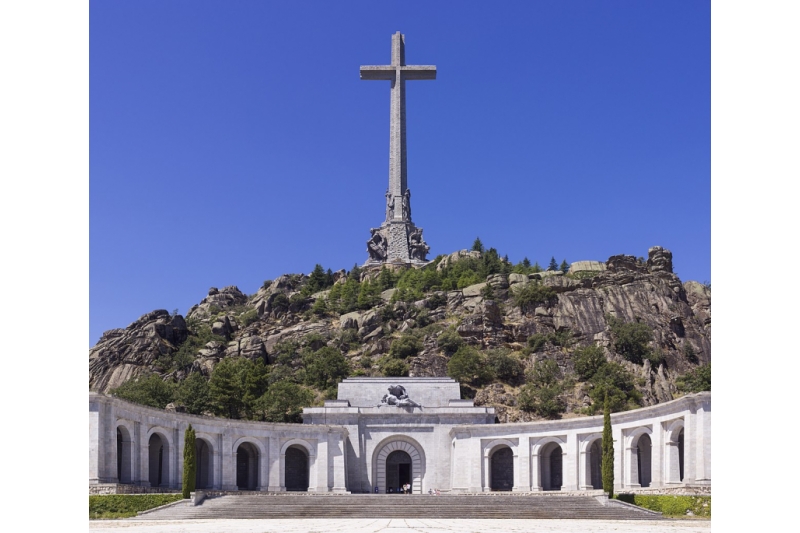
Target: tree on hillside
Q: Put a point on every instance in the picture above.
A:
(607, 459)
(189, 462)
(526, 262)
(553, 266)
(477, 246)
(564, 266)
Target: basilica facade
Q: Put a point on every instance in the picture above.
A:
(383, 433)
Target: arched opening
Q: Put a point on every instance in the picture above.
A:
(551, 464)
(680, 454)
(203, 476)
(246, 467)
(380, 474)
(398, 470)
(296, 469)
(644, 452)
(595, 465)
(123, 455)
(158, 454)
(501, 467)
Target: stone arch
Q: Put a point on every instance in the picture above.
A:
(501, 469)
(207, 455)
(674, 452)
(402, 443)
(125, 452)
(247, 466)
(159, 449)
(591, 459)
(297, 456)
(551, 465)
(638, 462)
(204, 460)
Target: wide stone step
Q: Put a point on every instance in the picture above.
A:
(397, 506)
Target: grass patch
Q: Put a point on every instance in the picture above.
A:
(670, 505)
(127, 505)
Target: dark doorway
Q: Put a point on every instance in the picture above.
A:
(680, 454)
(556, 463)
(203, 471)
(643, 456)
(595, 456)
(247, 467)
(398, 470)
(296, 469)
(123, 455)
(158, 461)
(502, 469)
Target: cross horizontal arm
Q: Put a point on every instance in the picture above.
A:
(419, 72)
(381, 72)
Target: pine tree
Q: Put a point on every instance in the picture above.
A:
(189, 462)
(477, 246)
(553, 265)
(564, 266)
(607, 460)
(526, 262)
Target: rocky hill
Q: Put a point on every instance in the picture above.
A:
(527, 331)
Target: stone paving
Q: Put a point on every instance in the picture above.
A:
(397, 525)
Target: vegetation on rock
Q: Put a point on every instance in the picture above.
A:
(548, 344)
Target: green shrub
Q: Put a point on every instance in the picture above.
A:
(406, 346)
(148, 389)
(532, 294)
(127, 505)
(468, 366)
(393, 367)
(450, 341)
(689, 353)
(536, 342)
(248, 317)
(614, 380)
(504, 366)
(631, 340)
(325, 367)
(283, 402)
(671, 505)
(696, 380)
(588, 360)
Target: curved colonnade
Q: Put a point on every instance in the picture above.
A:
(662, 446)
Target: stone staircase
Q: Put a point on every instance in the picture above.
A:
(303, 505)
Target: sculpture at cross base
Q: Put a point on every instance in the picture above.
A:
(398, 240)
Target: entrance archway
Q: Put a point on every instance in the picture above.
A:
(246, 467)
(673, 453)
(158, 456)
(501, 469)
(595, 465)
(398, 470)
(204, 477)
(551, 463)
(296, 473)
(414, 452)
(644, 453)
(124, 455)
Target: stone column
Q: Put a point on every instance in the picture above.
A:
(317, 467)
(522, 467)
(536, 469)
(136, 454)
(176, 469)
(274, 454)
(702, 455)
(570, 463)
(657, 456)
(264, 466)
(619, 458)
(337, 462)
(228, 462)
(144, 457)
(690, 446)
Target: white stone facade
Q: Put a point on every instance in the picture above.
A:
(357, 443)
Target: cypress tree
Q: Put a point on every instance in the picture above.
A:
(189, 462)
(607, 460)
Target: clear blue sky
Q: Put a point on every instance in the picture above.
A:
(232, 142)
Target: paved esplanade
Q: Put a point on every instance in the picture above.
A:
(399, 525)
(397, 240)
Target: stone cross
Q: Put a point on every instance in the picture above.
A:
(398, 239)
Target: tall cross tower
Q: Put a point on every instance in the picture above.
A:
(398, 240)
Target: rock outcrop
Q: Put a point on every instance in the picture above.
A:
(484, 315)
